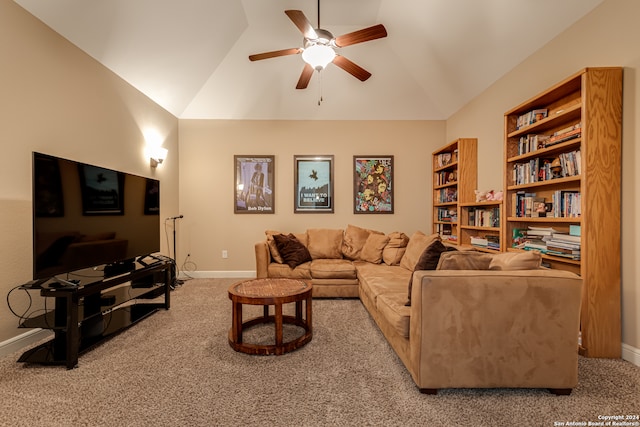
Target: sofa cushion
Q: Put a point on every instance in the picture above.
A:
(302, 271)
(373, 247)
(429, 260)
(391, 307)
(464, 260)
(417, 244)
(293, 252)
(395, 249)
(354, 239)
(377, 279)
(273, 249)
(530, 260)
(325, 243)
(332, 269)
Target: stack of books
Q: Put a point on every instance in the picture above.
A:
(564, 245)
(549, 241)
(490, 241)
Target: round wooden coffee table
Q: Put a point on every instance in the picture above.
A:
(268, 292)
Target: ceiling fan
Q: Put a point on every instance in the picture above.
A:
(320, 47)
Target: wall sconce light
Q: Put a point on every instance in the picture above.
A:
(154, 150)
(157, 156)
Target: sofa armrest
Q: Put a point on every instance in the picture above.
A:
(495, 328)
(263, 258)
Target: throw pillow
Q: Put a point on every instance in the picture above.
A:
(273, 249)
(429, 260)
(325, 243)
(373, 247)
(417, 244)
(516, 261)
(293, 252)
(464, 260)
(395, 249)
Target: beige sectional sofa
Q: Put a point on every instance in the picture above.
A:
(477, 320)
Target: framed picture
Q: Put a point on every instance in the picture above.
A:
(373, 184)
(253, 184)
(313, 184)
(152, 197)
(102, 190)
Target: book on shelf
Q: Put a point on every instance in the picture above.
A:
(531, 142)
(563, 237)
(566, 204)
(531, 117)
(575, 230)
(448, 195)
(535, 244)
(479, 241)
(566, 134)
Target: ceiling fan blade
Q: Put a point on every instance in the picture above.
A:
(350, 67)
(275, 53)
(302, 23)
(307, 72)
(364, 35)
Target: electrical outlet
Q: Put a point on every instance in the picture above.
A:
(225, 254)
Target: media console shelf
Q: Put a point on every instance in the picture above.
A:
(89, 313)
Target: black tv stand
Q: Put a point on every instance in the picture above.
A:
(92, 312)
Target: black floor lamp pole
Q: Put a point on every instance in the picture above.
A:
(175, 255)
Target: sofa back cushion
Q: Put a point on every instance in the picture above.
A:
(353, 241)
(395, 249)
(325, 243)
(273, 249)
(293, 252)
(472, 260)
(416, 246)
(373, 247)
(464, 260)
(529, 260)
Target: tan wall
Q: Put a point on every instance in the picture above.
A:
(207, 148)
(59, 101)
(609, 36)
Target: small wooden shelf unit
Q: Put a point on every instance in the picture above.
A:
(455, 172)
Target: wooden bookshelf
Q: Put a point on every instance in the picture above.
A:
(585, 193)
(455, 173)
(481, 220)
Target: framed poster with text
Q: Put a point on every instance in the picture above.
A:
(313, 184)
(253, 184)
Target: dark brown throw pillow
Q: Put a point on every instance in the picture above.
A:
(429, 260)
(292, 251)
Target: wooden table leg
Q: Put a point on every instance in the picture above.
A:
(309, 321)
(298, 310)
(278, 321)
(236, 326)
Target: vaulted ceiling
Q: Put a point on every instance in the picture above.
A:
(191, 56)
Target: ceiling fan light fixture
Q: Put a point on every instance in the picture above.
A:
(318, 55)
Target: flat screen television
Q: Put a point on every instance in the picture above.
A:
(88, 216)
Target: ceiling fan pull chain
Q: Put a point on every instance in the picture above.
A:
(320, 99)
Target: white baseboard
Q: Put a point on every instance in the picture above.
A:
(631, 354)
(21, 341)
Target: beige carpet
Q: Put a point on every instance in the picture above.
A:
(176, 369)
